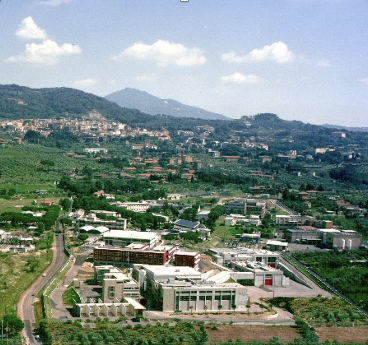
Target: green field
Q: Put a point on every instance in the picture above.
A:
(17, 273)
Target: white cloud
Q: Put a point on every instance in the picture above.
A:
(46, 53)
(277, 52)
(365, 80)
(54, 2)
(28, 29)
(85, 82)
(145, 77)
(323, 63)
(165, 53)
(239, 78)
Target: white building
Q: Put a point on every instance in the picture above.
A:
(188, 296)
(124, 238)
(162, 273)
(203, 215)
(95, 150)
(120, 295)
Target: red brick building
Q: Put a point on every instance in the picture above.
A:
(124, 256)
(160, 255)
(190, 259)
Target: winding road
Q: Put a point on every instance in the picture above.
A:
(25, 306)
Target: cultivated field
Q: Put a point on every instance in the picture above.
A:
(250, 333)
(343, 334)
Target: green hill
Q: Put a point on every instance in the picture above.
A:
(20, 102)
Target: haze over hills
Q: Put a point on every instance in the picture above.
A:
(147, 103)
(345, 128)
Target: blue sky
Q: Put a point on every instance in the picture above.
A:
(303, 60)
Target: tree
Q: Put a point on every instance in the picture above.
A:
(191, 309)
(266, 219)
(220, 306)
(83, 237)
(40, 228)
(65, 203)
(143, 225)
(13, 324)
(32, 136)
(233, 306)
(205, 309)
(12, 192)
(48, 162)
(248, 304)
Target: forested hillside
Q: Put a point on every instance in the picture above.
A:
(19, 102)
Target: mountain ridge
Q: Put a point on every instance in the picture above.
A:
(147, 103)
(21, 102)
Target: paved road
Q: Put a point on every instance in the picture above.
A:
(25, 304)
(58, 309)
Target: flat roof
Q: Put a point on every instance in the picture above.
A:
(130, 234)
(134, 303)
(276, 243)
(174, 270)
(251, 235)
(182, 252)
(204, 212)
(242, 250)
(328, 230)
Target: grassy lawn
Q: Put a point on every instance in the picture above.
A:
(225, 232)
(70, 295)
(15, 205)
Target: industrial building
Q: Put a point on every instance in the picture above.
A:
(344, 239)
(330, 238)
(259, 273)
(257, 267)
(224, 256)
(245, 206)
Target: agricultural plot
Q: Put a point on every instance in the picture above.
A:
(107, 333)
(343, 334)
(322, 311)
(248, 334)
(346, 271)
(29, 167)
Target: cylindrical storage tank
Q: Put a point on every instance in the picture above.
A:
(350, 242)
(342, 244)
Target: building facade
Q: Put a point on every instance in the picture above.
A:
(201, 297)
